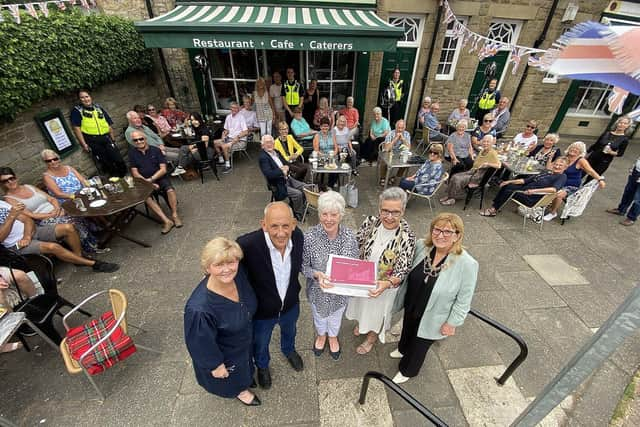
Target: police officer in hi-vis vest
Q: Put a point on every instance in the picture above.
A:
(489, 98)
(92, 127)
(292, 94)
(397, 86)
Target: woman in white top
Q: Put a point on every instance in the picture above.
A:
(387, 240)
(264, 107)
(527, 139)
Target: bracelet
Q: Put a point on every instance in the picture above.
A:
(390, 283)
(600, 179)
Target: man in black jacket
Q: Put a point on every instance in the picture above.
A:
(276, 170)
(273, 259)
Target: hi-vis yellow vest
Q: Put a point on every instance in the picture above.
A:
(292, 93)
(96, 124)
(397, 89)
(487, 101)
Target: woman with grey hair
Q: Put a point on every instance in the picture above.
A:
(377, 133)
(327, 238)
(387, 240)
(352, 115)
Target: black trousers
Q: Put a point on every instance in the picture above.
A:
(369, 149)
(395, 114)
(465, 164)
(106, 154)
(413, 348)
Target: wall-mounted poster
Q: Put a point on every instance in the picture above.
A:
(56, 131)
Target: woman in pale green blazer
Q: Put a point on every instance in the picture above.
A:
(435, 295)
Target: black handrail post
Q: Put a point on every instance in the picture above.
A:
(524, 350)
(364, 389)
(400, 392)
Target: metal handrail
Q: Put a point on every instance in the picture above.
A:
(400, 392)
(524, 350)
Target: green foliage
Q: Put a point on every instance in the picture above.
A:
(64, 52)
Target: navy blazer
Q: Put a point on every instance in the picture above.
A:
(274, 175)
(257, 262)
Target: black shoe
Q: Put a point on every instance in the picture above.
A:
(227, 169)
(318, 351)
(264, 378)
(295, 361)
(105, 267)
(355, 172)
(335, 355)
(255, 402)
(253, 384)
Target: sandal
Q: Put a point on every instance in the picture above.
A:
(365, 347)
(382, 182)
(488, 212)
(167, 227)
(449, 202)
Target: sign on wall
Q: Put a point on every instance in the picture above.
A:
(56, 132)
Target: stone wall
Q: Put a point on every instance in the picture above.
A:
(536, 99)
(21, 141)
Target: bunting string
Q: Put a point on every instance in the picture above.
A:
(36, 9)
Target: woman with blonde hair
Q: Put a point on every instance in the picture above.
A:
(436, 293)
(218, 325)
(172, 113)
(264, 107)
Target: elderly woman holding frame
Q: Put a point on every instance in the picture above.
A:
(327, 238)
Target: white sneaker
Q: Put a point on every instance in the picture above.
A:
(399, 378)
(395, 354)
(178, 171)
(550, 216)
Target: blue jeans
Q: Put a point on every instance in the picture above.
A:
(631, 196)
(262, 329)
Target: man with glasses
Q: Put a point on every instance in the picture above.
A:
(19, 233)
(93, 129)
(135, 124)
(501, 117)
(148, 163)
(431, 122)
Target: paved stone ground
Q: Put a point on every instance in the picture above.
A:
(153, 389)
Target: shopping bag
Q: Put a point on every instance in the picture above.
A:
(352, 196)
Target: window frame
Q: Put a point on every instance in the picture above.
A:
(597, 111)
(454, 61)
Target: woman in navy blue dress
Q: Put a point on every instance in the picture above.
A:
(217, 324)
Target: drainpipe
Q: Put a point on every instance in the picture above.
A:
(536, 45)
(163, 61)
(430, 57)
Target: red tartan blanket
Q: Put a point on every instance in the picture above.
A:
(117, 347)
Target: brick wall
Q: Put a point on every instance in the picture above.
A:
(21, 141)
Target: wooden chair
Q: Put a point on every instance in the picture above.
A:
(543, 203)
(119, 308)
(312, 201)
(411, 193)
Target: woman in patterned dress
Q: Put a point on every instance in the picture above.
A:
(61, 181)
(387, 240)
(328, 237)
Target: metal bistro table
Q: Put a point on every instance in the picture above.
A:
(119, 210)
(339, 170)
(520, 166)
(178, 138)
(11, 322)
(395, 163)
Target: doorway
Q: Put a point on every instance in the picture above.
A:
(480, 82)
(280, 60)
(403, 58)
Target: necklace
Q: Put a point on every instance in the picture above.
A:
(430, 270)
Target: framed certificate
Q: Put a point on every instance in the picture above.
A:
(56, 131)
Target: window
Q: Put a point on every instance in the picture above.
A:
(410, 25)
(334, 72)
(504, 31)
(234, 74)
(591, 99)
(449, 54)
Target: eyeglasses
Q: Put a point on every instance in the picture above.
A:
(137, 139)
(530, 127)
(53, 159)
(11, 178)
(393, 214)
(150, 110)
(446, 233)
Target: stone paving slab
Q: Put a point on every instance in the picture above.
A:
(339, 405)
(555, 270)
(529, 290)
(591, 305)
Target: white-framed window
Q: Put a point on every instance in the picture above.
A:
(412, 26)
(590, 100)
(505, 30)
(234, 74)
(335, 73)
(451, 47)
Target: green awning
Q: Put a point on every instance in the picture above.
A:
(225, 26)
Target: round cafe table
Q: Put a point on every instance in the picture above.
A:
(119, 211)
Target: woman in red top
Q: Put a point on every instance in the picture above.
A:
(171, 112)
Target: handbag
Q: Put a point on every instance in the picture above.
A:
(352, 195)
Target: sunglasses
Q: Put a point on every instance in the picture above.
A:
(530, 127)
(434, 153)
(11, 178)
(53, 159)
(487, 120)
(151, 109)
(137, 139)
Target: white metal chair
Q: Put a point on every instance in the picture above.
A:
(411, 193)
(541, 204)
(578, 201)
(241, 146)
(119, 308)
